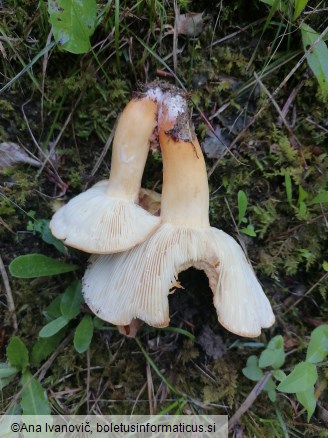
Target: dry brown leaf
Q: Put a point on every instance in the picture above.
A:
(12, 153)
(150, 201)
(190, 24)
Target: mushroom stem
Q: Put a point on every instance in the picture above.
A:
(130, 148)
(185, 196)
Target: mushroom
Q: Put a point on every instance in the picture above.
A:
(106, 218)
(136, 283)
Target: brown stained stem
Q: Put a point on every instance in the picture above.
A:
(9, 295)
(250, 399)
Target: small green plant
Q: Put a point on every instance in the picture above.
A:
(303, 376)
(304, 200)
(33, 398)
(59, 314)
(242, 207)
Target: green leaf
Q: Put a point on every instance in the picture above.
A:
(38, 265)
(274, 354)
(73, 22)
(249, 231)
(17, 353)
(7, 371)
(98, 323)
(53, 327)
(279, 375)
(83, 334)
(3, 383)
(303, 376)
(242, 205)
(252, 371)
(71, 301)
(288, 187)
(34, 399)
(299, 7)
(276, 5)
(302, 195)
(325, 266)
(270, 388)
(307, 400)
(318, 58)
(45, 346)
(41, 226)
(53, 310)
(318, 347)
(321, 198)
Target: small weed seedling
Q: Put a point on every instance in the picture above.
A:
(242, 207)
(303, 376)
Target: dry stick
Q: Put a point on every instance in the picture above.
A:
(88, 380)
(291, 99)
(104, 151)
(44, 69)
(324, 277)
(276, 91)
(232, 35)
(55, 143)
(10, 300)
(274, 103)
(250, 399)
(316, 124)
(150, 391)
(297, 227)
(282, 118)
(41, 152)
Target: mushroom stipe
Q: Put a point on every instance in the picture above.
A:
(106, 218)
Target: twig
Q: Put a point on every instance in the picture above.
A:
(88, 380)
(282, 118)
(250, 399)
(297, 227)
(55, 143)
(150, 387)
(324, 277)
(104, 151)
(44, 368)
(232, 35)
(10, 299)
(316, 124)
(44, 68)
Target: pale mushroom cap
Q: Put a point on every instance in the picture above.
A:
(97, 223)
(136, 284)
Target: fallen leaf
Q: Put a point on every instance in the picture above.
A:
(190, 24)
(150, 201)
(211, 343)
(12, 153)
(214, 145)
